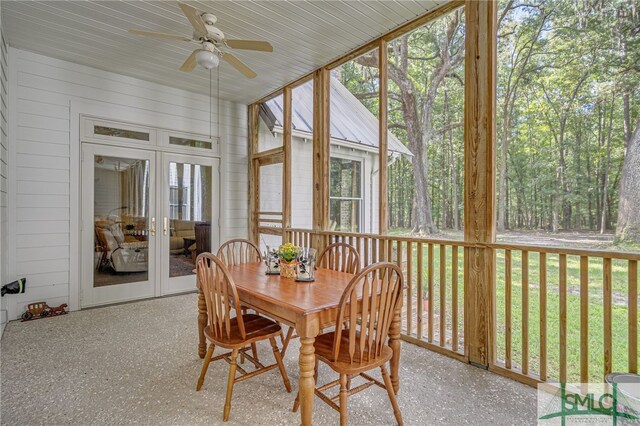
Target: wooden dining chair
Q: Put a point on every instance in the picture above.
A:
(232, 332)
(239, 251)
(236, 252)
(341, 257)
(359, 342)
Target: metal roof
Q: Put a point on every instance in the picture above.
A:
(351, 121)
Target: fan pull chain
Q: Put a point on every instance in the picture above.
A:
(218, 100)
(210, 104)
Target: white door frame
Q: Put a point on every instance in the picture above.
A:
(77, 108)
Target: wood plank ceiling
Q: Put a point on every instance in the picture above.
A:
(304, 34)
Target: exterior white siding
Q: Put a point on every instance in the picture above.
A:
(302, 181)
(41, 195)
(4, 168)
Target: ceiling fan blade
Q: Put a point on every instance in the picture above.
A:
(239, 65)
(193, 15)
(262, 46)
(164, 36)
(190, 63)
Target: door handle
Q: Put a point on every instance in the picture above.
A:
(164, 226)
(153, 226)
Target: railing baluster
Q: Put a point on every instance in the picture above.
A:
(584, 319)
(409, 288)
(525, 312)
(563, 317)
(633, 316)
(543, 317)
(419, 296)
(606, 300)
(507, 309)
(401, 249)
(443, 293)
(454, 298)
(430, 293)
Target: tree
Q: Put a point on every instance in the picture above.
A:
(518, 39)
(628, 228)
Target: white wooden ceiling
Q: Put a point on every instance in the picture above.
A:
(304, 34)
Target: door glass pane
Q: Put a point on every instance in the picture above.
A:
(189, 221)
(121, 220)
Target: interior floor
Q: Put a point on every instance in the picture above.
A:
(137, 363)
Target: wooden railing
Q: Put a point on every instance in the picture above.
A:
(558, 314)
(564, 315)
(433, 308)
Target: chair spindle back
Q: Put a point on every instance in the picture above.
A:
(368, 305)
(340, 257)
(239, 251)
(220, 295)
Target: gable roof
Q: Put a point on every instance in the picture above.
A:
(351, 121)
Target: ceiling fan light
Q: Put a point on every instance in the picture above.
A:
(207, 59)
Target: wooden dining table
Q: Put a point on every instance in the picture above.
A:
(307, 306)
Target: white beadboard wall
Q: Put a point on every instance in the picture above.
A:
(4, 132)
(39, 144)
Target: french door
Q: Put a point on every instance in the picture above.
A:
(190, 194)
(146, 215)
(118, 224)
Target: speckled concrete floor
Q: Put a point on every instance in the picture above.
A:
(137, 364)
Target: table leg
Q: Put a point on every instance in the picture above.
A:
(394, 343)
(307, 384)
(202, 323)
(307, 330)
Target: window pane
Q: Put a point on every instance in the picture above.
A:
(120, 133)
(345, 178)
(173, 140)
(344, 215)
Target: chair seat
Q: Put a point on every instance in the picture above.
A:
(256, 328)
(324, 351)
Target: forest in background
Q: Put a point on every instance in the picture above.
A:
(568, 140)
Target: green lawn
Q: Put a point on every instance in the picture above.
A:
(596, 328)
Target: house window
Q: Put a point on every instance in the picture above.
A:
(345, 194)
(120, 133)
(193, 143)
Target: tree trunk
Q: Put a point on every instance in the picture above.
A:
(628, 227)
(605, 179)
(502, 182)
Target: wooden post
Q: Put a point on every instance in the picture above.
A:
(321, 137)
(479, 178)
(286, 163)
(383, 196)
(254, 179)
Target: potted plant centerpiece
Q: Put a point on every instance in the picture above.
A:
(288, 254)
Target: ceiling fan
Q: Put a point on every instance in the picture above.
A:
(212, 42)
